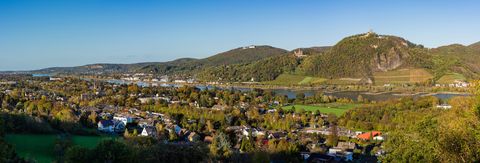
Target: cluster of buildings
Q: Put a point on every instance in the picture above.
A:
(144, 122)
(344, 150)
(142, 77)
(455, 84)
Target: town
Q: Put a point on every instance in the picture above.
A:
(243, 122)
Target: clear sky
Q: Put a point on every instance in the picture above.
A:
(44, 33)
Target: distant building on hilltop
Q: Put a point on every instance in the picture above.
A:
(299, 53)
(248, 47)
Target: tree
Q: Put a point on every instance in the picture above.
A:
(93, 117)
(332, 139)
(126, 134)
(111, 151)
(160, 130)
(299, 98)
(260, 157)
(173, 136)
(62, 143)
(247, 145)
(135, 132)
(220, 147)
(7, 153)
(360, 99)
(209, 126)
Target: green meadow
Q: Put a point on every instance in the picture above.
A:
(335, 108)
(40, 147)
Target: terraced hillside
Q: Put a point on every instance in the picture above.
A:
(401, 76)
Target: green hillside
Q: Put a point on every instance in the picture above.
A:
(458, 59)
(263, 70)
(363, 58)
(367, 58)
(361, 55)
(243, 55)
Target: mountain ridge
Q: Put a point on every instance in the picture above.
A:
(357, 56)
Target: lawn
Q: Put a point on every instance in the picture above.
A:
(40, 147)
(335, 108)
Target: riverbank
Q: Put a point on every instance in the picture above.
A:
(373, 93)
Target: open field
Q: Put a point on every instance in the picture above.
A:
(450, 78)
(290, 79)
(402, 76)
(335, 108)
(40, 147)
(343, 81)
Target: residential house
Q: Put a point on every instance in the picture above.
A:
(219, 107)
(342, 154)
(118, 126)
(106, 126)
(317, 157)
(276, 135)
(123, 118)
(369, 135)
(149, 131)
(254, 132)
(208, 139)
(444, 106)
(346, 146)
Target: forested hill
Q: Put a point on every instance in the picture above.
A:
(368, 57)
(475, 46)
(240, 55)
(365, 58)
(459, 59)
(360, 55)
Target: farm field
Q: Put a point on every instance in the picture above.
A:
(40, 147)
(402, 76)
(290, 79)
(335, 108)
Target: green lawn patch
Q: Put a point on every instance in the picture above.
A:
(335, 108)
(40, 147)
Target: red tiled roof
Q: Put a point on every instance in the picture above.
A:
(366, 136)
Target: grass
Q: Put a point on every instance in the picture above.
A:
(450, 78)
(402, 76)
(335, 108)
(40, 147)
(291, 79)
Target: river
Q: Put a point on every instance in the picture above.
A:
(291, 93)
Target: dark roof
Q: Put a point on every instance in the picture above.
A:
(106, 122)
(150, 130)
(278, 134)
(317, 157)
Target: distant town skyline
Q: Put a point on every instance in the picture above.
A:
(52, 33)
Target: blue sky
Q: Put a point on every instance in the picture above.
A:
(38, 34)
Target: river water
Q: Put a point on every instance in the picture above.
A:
(291, 94)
